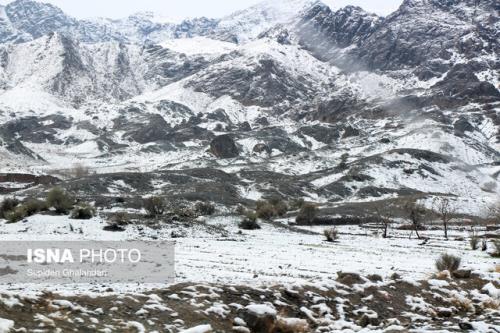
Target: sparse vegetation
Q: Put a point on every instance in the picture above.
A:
(155, 206)
(35, 206)
(448, 262)
(249, 222)
(204, 208)
(60, 200)
(14, 211)
(296, 204)
(331, 234)
(274, 207)
(474, 242)
(16, 215)
(307, 214)
(7, 206)
(120, 218)
(83, 212)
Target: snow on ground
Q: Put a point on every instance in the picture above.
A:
(272, 255)
(199, 46)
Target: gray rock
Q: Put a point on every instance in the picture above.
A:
(224, 146)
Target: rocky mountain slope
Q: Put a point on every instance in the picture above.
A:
(302, 101)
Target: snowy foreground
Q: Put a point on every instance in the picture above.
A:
(284, 276)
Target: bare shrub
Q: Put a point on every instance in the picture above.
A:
(83, 212)
(249, 222)
(204, 208)
(120, 218)
(7, 206)
(331, 234)
(296, 204)
(16, 215)
(60, 200)
(307, 214)
(448, 262)
(34, 206)
(265, 210)
(272, 208)
(155, 206)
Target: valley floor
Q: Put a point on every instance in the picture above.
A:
(288, 271)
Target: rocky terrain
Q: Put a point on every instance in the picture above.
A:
(356, 114)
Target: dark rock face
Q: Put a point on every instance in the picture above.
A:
(323, 31)
(157, 129)
(224, 146)
(265, 83)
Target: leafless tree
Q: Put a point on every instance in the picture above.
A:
(415, 213)
(386, 219)
(445, 210)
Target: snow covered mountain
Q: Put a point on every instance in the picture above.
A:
(333, 106)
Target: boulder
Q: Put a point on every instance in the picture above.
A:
(260, 318)
(462, 274)
(223, 146)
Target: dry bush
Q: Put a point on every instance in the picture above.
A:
(120, 218)
(249, 222)
(307, 214)
(16, 215)
(265, 210)
(490, 304)
(7, 206)
(204, 208)
(462, 303)
(155, 206)
(448, 262)
(83, 212)
(60, 200)
(296, 204)
(331, 234)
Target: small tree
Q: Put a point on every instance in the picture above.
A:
(445, 210)
(155, 206)
(416, 214)
(60, 200)
(385, 219)
(307, 214)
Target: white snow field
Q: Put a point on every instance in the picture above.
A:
(274, 254)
